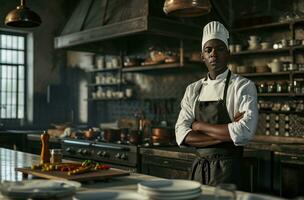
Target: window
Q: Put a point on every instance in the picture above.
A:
(12, 75)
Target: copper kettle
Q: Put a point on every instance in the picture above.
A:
(187, 8)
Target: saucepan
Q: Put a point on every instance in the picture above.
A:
(161, 135)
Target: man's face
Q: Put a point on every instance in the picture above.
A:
(215, 55)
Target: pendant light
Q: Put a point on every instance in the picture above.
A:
(187, 8)
(22, 17)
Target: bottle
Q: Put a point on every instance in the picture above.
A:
(45, 152)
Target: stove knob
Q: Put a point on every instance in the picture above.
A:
(99, 153)
(117, 155)
(69, 150)
(104, 154)
(85, 152)
(79, 151)
(124, 156)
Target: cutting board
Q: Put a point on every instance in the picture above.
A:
(89, 176)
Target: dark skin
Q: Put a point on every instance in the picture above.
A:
(215, 55)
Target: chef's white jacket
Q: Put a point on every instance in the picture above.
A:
(241, 96)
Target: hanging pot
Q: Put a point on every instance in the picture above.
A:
(187, 8)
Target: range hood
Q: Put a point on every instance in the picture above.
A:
(100, 20)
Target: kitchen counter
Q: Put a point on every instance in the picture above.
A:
(10, 159)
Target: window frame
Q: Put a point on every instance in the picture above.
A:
(14, 122)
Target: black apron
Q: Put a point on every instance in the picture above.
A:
(218, 163)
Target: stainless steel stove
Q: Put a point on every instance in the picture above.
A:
(122, 156)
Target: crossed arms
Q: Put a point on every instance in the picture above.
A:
(205, 134)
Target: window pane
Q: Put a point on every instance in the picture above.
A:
(21, 98)
(3, 85)
(9, 41)
(3, 98)
(21, 86)
(14, 111)
(9, 72)
(14, 42)
(14, 85)
(20, 111)
(3, 112)
(14, 73)
(21, 72)
(3, 41)
(8, 111)
(3, 56)
(9, 56)
(20, 57)
(14, 57)
(3, 71)
(14, 98)
(20, 43)
(9, 98)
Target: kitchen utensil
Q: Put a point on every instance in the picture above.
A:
(186, 8)
(262, 69)
(243, 69)
(275, 65)
(266, 45)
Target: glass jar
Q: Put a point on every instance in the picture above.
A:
(296, 87)
(262, 88)
(271, 87)
(56, 156)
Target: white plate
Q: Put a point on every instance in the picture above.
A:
(183, 197)
(169, 185)
(109, 195)
(168, 194)
(39, 188)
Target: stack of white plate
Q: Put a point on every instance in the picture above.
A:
(39, 189)
(170, 189)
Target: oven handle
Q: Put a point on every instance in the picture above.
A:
(76, 142)
(111, 147)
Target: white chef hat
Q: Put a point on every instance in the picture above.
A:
(215, 30)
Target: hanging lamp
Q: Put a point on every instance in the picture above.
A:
(187, 8)
(22, 17)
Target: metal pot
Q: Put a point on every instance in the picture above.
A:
(111, 135)
(160, 135)
(187, 8)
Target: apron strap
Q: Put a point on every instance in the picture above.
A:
(226, 86)
(204, 164)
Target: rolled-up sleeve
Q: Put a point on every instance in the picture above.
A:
(242, 132)
(185, 118)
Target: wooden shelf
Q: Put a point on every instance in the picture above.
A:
(161, 66)
(266, 74)
(269, 25)
(105, 99)
(103, 84)
(261, 51)
(262, 26)
(103, 70)
(279, 94)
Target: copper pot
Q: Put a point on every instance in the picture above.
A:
(88, 134)
(111, 135)
(160, 135)
(187, 8)
(134, 138)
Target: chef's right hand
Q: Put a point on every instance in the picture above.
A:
(238, 116)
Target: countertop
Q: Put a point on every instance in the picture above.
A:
(10, 159)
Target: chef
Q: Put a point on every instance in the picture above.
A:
(218, 115)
